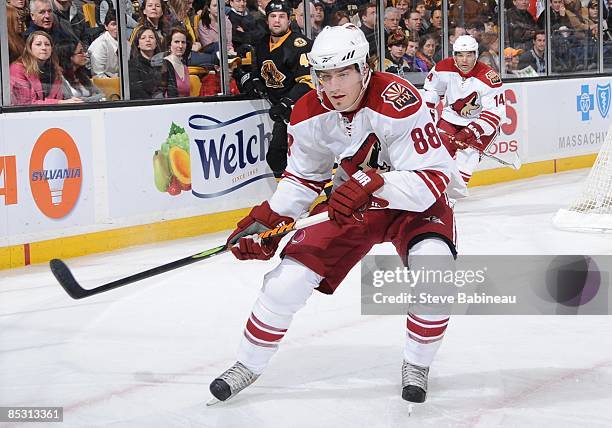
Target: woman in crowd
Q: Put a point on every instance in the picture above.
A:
(145, 76)
(104, 51)
(208, 30)
(427, 49)
(16, 43)
(75, 79)
(490, 53)
(339, 17)
(36, 77)
(154, 16)
(175, 74)
(23, 14)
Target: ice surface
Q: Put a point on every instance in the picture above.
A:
(143, 355)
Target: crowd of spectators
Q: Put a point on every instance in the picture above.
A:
(169, 40)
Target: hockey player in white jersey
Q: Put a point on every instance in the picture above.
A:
(391, 158)
(474, 104)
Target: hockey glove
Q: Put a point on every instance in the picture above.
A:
(347, 202)
(468, 136)
(281, 112)
(244, 242)
(252, 86)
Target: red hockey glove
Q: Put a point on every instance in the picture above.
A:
(250, 246)
(468, 136)
(353, 196)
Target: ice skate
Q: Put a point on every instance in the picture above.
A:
(231, 382)
(414, 383)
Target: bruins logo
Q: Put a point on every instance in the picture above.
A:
(273, 77)
(299, 42)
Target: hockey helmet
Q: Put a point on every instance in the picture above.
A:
(465, 43)
(339, 46)
(278, 6)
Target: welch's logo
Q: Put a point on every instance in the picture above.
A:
(226, 156)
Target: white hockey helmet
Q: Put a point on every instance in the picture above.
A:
(337, 47)
(465, 43)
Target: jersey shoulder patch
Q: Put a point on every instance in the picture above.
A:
(392, 96)
(299, 42)
(399, 96)
(487, 75)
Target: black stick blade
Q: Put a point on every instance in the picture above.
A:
(66, 279)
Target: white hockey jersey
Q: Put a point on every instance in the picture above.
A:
(474, 97)
(391, 131)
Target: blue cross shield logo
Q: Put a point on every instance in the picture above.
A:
(585, 103)
(603, 93)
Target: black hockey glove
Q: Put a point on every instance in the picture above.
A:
(252, 86)
(281, 112)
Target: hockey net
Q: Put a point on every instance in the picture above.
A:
(592, 210)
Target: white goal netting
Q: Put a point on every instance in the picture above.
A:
(592, 210)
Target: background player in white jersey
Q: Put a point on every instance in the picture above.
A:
(391, 157)
(474, 104)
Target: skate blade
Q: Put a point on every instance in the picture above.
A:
(213, 401)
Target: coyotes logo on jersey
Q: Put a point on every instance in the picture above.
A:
(271, 75)
(467, 107)
(399, 96)
(366, 158)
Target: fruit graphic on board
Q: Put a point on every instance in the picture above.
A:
(179, 165)
(161, 171)
(171, 164)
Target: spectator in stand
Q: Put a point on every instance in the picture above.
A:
(180, 14)
(520, 25)
(396, 48)
(36, 77)
(403, 6)
(455, 32)
(425, 15)
(535, 56)
(427, 49)
(412, 23)
(320, 17)
(329, 7)
(490, 54)
(298, 25)
(391, 21)
(416, 64)
(340, 17)
(16, 44)
(72, 21)
(145, 74)
(556, 19)
(23, 14)
(208, 31)
(154, 16)
(367, 16)
(475, 29)
(43, 19)
(175, 74)
(436, 23)
(511, 59)
(104, 51)
(245, 30)
(260, 13)
(106, 6)
(75, 79)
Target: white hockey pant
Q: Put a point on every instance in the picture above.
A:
(287, 288)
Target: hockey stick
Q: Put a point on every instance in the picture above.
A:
(64, 276)
(515, 164)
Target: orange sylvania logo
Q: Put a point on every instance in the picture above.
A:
(55, 173)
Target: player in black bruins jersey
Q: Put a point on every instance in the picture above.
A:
(281, 74)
